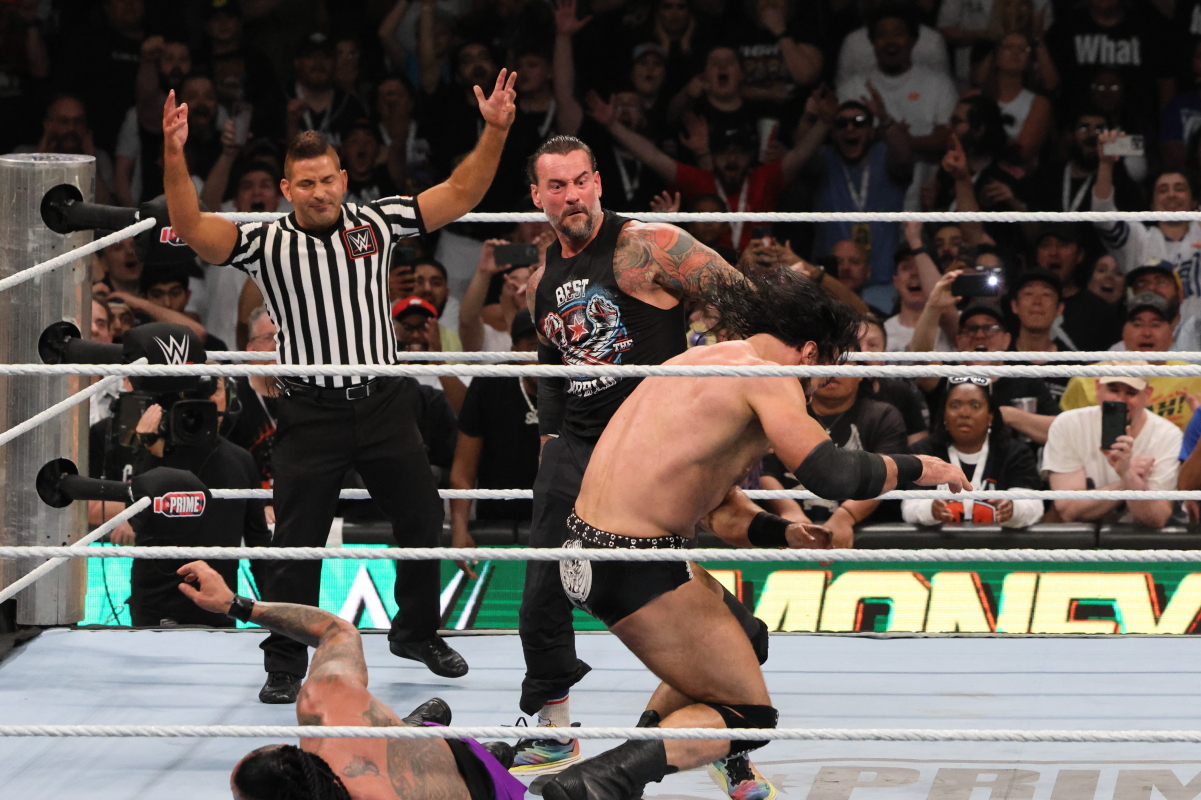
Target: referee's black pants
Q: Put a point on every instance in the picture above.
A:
(545, 620)
(316, 442)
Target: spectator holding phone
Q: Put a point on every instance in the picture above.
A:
(1135, 244)
(487, 326)
(1149, 323)
(1145, 457)
(974, 436)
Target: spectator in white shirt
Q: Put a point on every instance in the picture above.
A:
(915, 95)
(1146, 457)
(856, 59)
(1135, 244)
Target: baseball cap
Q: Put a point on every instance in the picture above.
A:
(315, 43)
(1150, 301)
(413, 304)
(973, 311)
(742, 138)
(1138, 384)
(523, 326)
(215, 7)
(1039, 276)
(1063, 231)
(649, 47)
(1151, 267)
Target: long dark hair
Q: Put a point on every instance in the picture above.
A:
(786, 305)
(288, 773)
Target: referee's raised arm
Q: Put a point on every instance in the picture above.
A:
(212, 236)
(463, 190)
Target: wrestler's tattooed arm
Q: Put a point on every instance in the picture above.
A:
(339, 648)
(652, 256)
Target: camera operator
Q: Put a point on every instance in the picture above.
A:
(180, 431)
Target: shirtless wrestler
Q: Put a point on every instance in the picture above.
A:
(665, 463)
(335, 693)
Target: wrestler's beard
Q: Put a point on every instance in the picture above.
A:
(574, 225)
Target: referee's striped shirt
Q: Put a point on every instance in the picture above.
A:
(327, 291)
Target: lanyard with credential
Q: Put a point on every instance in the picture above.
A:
(859, 198)
(628, 185)
(735, 227)
(1067, 190)
(956, 456)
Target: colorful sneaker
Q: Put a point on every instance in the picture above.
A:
(544, 756)
(739, 779)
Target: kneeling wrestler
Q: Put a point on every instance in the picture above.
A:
(666, 463)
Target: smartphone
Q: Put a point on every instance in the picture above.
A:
(982, 283)
(130, 408)
(516, 255)
(829, 264)
(1124, 145)
(242, 114)
(1113, 422)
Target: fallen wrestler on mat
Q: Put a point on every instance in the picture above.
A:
(666, 463)
(335, 693)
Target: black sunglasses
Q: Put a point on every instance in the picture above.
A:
(857, 121)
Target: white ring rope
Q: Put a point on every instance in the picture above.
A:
(71, 552)
(819, 216)
(604, 554)
(77, 253)
(517, 732)
(797, 494)
(59, 407)
(617, 371)
(506, 356)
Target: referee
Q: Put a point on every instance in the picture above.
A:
(323, 272)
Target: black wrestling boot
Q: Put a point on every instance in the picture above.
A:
(649, 719)
(616, 774)
(502, 752)
(435, 653)
(433, 710)
(281, 688)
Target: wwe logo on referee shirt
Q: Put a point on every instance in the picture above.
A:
(360, 241)
(175, 351)
(180, 504)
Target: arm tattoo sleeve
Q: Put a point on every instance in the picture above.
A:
(669, 257)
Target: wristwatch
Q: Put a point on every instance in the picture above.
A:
(149, 440)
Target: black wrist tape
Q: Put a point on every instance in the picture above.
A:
(909, 468)
(767, 530)
(240, 608)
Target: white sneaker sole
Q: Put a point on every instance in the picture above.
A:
(546, 769)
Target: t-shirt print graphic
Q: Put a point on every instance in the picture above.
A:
(588, 330)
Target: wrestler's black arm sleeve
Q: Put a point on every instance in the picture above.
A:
(836, 474)
(552, 392)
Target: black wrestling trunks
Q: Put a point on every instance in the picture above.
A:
(612, 590)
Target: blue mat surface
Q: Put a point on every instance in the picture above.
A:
(208, 678)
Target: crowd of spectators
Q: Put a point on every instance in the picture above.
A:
(696, 105)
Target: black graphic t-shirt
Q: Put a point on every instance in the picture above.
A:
(496, 412)
(586, 316)
(868, 425)
(254, 428)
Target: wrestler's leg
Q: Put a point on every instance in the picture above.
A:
(665, 699)
(692, 642)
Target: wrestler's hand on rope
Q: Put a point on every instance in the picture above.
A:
(205, 587)
(936, 471)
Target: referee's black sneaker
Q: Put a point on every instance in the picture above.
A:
(280, 688)
(435, 653)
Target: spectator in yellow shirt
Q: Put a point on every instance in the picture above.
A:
(1150, 321)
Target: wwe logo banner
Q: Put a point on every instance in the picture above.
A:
(175, 351)
(360, 241)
